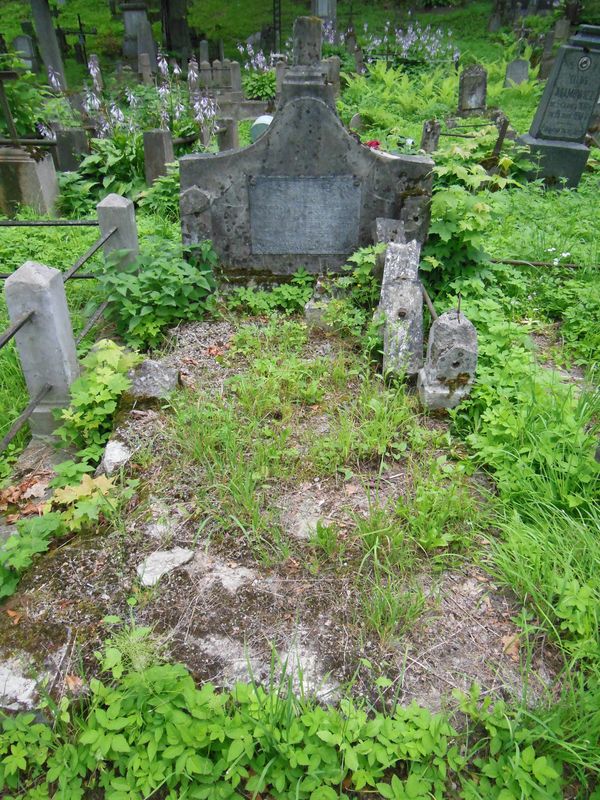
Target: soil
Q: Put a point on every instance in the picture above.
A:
(229, 617)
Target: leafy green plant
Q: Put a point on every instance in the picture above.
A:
(17, 553)
(289, 298)
(158, 289)
(162, 198)
(260, 85)
(87, 422)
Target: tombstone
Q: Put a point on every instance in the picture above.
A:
(517, 72)
(325, 9)
(24, 47)
(71, 148)
(144, 69)
(146, 43)
(562, 29)
(26, 181)
(47, 41)
(306, 193)
(203, 51)
(175, 28)
(158, 152)
(547, 60)
(472, 90)
(135, 17)
(280, 70)
(227, 134)
(401, 308)
(449, 370)
(217, 74)
(333, 66)
(431, 135)
(557, 134)
(259, 126)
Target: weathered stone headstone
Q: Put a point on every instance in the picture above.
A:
(158, 152)
(449, 370)
(517, 72)
(48, 43)
(431, 135)
(547, 60)
(204, 51)
(146, 43)
(472, 90)
(24, 47)
(306, 193)
(401, 306)
(135, 17)
(559, 127)
(71, 148)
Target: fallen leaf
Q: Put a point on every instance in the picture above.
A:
(510, 646)
(12, 518)
(36, 490)
(33, 508)
(14, 615)
(74, 683)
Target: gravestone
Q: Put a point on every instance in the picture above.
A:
(547, 59)
(204, 51)
(325, 9)
(24, 47)
(401, 307)
(47, 41)
(158, 152)
(431, 135)
(228, 137)
(144, 69)
(135, 18)
(517, 72)
(449, 370)
(306, 193)
(71, 148)
(562, 29)
(557, 133)
(175, 27)
(472, 90)
(25, 181)
(146, 43)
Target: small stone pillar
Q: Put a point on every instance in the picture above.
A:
(236, 76)
(401, 305)
(118, 212)
(334, 66)
(26, 182)
(144, 69)
(227, 134)
(308, 41)
(472, 90)
(307, 77)
(71, 148)
(204, 51)
(517, 72)
(158, 152)
(431, 135)
(45, 343)
(449, 370)
(217, 74)
(280, 70)
(206, 80)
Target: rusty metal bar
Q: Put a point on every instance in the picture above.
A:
(88, 254)
(47, 223)
(92, 321)
(29, 142)
(429, 304)
(23, 417)
(15, 328)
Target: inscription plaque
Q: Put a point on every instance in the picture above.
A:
(312, 215)
(570, 96)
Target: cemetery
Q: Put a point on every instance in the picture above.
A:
(299, 406)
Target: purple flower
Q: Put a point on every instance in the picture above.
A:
(54, 78)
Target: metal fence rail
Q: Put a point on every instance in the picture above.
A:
(47, 223)
(8, 334)
(24, 416)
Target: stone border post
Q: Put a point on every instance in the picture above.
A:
(118, 212)
(45, 343)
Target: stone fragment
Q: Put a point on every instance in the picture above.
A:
(316, 308)
(159, 563)
(153, 380)
(17, 692)
(449, 370)
(116, 455)
(401, 306)
(431, 135)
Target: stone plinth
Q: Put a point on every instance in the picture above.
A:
(25, 181)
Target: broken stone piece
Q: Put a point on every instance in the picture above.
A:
(157, 564)
(17, 692)
(316, 308)
(116, 455)
(449, 370)
(153, 380)
(401, 305)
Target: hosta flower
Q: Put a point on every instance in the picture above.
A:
(163, 66)
(95, 74)
(54, 78)
(176, 69)
(193, 72)
(44, 130)
(91, 101)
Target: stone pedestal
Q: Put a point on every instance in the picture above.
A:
(557, 161)
(26, 182)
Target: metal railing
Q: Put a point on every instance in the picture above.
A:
(7, 335)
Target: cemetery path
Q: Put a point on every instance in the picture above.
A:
(232, 611)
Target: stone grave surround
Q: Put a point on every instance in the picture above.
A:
(305, 194)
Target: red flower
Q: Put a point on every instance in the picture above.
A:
(374, 144)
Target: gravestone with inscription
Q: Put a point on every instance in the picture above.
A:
(306, 194)
(557, 133)
(472, 90)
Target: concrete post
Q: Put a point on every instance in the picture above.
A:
(158, 152)
(45, 343)
(236, 76)
(118, 212)
(203, 50)
(144, 69)
(71, 147)
(227, 134)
